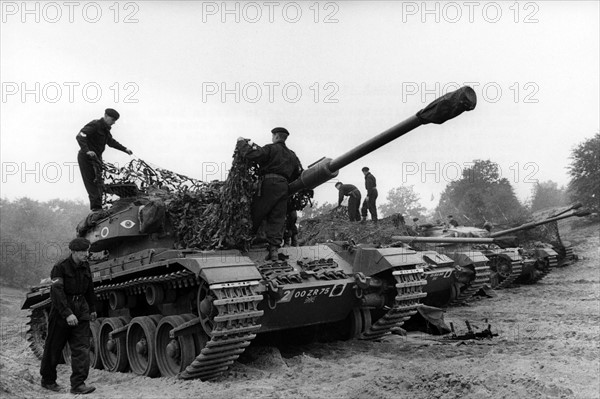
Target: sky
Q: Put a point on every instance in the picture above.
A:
(190, 77)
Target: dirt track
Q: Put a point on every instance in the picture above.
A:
(548, 347)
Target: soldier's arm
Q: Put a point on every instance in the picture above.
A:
(298, 171)
(116, 145)
(84, 133)
(57, 292)
(90, 296)
(252, 152)
(341, 197)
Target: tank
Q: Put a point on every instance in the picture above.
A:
(191, 313)
(454, 273)
(508, 262)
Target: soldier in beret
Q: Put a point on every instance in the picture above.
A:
(93, 139)
(278, 166)
(353, 194)
(73, 307)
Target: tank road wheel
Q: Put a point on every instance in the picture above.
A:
(359, 320)
(141, 349)
(173, 355)
(501, 269)
(113, 352)
(95, 360)
(206, 308)
(200, 338)
(38, 329)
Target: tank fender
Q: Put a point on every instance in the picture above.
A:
(217, 268)
(470, 258)
(545, 252)
(371, 261)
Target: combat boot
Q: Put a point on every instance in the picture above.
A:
(273, 254)
(294, 240)
(364, 220)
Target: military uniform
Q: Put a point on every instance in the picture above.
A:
(72, 293)
(94, 136)
(278, 167)
(353, 194)
(371, 186)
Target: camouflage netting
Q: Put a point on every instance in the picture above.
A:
(335, 226)
(201, 215)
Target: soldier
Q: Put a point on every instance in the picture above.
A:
(353, 195)
(452, 222)
(278, 166)
(93, 139)
(488, 226)
(371, 186)
(73, 307)
(290, 235)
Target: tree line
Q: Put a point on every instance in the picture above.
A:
(35, 235)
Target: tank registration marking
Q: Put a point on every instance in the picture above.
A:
(435, 275)
(308, 295)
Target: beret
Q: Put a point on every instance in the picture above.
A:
(365, 169)
(79, 244)
(280, 130)
(112, 113)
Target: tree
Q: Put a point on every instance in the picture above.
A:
(584, 186)
(35, 235)
(402, 200)
(481, 194)
(547, 194)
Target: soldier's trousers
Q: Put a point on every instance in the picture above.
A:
(78, 337)
(88, 174)
(271, 206)
(370, 205)
(353, 208)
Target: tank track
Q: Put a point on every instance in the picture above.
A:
(409, 284)
(182, 278)
(36, 333)
(516, 269)
(233, 329)
(552, 262)
(482, 277)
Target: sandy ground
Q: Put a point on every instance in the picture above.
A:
(548, 347)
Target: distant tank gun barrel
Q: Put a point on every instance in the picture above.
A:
(445, 240)
(575, 206)
(531, 225)
(439, 111)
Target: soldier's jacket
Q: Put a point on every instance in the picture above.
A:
(348, 190)
(72, 289)
(370, 183)
(273, 158)
(95, 136)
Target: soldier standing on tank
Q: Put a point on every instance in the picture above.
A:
(371, 198)
(452, 222)
(353, 195)
(93, 139)
(73, 307)
(278, 166)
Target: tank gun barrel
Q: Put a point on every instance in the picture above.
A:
(531, 225)
(439, 111)
(445, 240)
